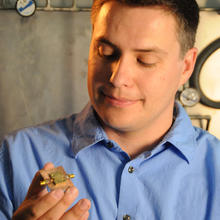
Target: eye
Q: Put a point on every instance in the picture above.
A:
(107, 52)
(147, 61)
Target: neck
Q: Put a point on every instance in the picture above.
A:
(136, 142)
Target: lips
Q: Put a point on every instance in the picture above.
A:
(118, 101)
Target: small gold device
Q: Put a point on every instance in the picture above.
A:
(56, 178)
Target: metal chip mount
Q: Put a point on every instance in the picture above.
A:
(57, 177)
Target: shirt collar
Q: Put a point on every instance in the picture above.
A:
(87, 130)
(182, 134)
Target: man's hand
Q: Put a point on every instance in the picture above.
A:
(40, 204)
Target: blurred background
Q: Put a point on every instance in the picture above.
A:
(43, 64)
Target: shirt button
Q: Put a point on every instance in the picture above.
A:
(110, 145)
(131, 169)
(126, 217)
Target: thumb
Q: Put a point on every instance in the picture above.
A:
(35, 189)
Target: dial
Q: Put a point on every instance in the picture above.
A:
(26, 7)
(189, 97)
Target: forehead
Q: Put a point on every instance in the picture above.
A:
(134, 24)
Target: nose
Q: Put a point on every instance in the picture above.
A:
(121, 73)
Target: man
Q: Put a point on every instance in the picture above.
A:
(135, 153)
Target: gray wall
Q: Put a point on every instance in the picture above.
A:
(43, 66)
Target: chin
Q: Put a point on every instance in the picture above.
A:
(119, 123)
(117, 118)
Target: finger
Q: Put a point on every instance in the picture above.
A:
(60, 208)
(35, 188)
(48, 166)
(80, 211)
(47, 203)
(34, 209)
(85, 216)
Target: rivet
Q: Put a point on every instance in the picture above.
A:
(126, 217)
(131, 169)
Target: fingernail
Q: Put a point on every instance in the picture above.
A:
(57, 193)
(84, 205)
(71, 191)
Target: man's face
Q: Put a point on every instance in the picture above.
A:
(135, 67)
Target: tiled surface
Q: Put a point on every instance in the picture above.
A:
(88, 3)
(7, 3)
(83, 3)
(53, 3)
(62, 3)
(41, 3)
(209, 3)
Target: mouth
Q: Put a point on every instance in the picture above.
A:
(118, 101)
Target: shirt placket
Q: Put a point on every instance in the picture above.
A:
(127, 200)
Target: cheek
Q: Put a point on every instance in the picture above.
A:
(98, 72)
(158, 85)
(151, 83)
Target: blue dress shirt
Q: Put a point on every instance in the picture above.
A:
(177, 180)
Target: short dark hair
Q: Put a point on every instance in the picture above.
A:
(186, 13)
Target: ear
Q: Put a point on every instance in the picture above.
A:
(189, 61)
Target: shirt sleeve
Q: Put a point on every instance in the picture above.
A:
(6, 193)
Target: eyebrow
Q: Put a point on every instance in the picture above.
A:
(105, 41)
(148, 50)
(151, 50)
